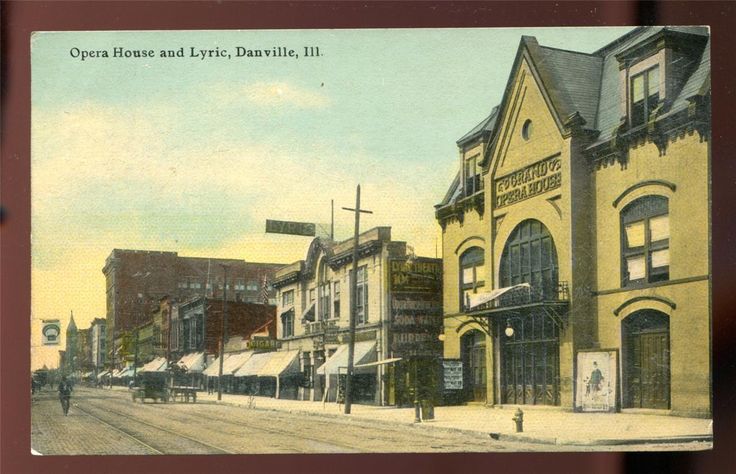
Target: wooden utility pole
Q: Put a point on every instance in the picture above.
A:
(353, 302)
(223, 329)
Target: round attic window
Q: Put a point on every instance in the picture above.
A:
(526, 130)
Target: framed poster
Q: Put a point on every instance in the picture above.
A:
(453, 374)
(596, 381)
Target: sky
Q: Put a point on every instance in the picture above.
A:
(192, 155)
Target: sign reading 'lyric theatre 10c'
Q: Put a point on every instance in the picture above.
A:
(416, 306)
(529, 181)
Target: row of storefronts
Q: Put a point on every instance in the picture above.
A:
(575, 267)
(398, 319)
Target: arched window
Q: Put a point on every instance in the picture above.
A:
(324, 292)
(472, 274)
(530, 257)
(645, 241)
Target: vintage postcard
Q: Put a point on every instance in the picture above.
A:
(371, 241)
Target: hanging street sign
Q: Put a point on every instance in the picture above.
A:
(291, 228)
(50, 332)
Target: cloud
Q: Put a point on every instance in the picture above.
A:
(272, 94)
(122, 176)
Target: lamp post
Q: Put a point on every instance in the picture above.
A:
(222, 333)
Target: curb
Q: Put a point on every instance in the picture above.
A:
(603, 441)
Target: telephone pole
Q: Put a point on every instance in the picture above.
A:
(223, 331)
(353, 301)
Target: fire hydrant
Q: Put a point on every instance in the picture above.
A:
(519, 420)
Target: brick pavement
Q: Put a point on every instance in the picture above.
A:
(77, 433)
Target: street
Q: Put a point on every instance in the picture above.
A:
(103, 421)
(108, 422)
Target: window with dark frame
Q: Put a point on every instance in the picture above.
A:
(287, 323)
(361, 299)
(645, 241)
(530, 256)
(287, 298)
(644, 93)
(472, 271)
(324, 293)
(472, 174)
(336, 301)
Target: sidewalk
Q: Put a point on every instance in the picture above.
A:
(541, 424)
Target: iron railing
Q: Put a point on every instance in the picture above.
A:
(524, 295)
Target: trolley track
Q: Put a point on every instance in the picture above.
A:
(319, 435)
(163, 444)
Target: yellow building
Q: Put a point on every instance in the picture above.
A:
(576, 234)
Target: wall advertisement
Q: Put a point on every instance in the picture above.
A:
(596, 381)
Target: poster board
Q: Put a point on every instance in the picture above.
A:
(596, 381)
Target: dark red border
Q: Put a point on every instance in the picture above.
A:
(19, 19)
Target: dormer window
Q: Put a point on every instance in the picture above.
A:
(644, 95)
(471, 172)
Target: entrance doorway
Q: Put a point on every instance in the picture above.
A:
(530, 361)
(473, 345)
(646, 348)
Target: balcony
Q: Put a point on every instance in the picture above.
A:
(518, 295)
(320, 327)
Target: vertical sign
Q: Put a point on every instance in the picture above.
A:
(416, 307)
(50, 332)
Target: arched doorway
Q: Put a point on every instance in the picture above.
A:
(473, 346)
(530, 355)
(646, 359)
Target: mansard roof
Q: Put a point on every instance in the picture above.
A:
(586, 87)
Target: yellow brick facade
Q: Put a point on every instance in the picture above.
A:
(581, 208)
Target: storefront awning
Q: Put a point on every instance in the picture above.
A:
(213, 370)
(253, 365)
(104, 373)
(126, 372)
(484, 297)
(193, 362)
(280, 363)
(365, 351)
(378, 362)
(233, 363)
(308, 314)
(158, 364)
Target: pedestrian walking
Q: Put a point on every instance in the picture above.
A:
(210, 385)
(65, 394)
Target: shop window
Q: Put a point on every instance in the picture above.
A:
(644, 93)
(307, 372)
(472, 271)
(287, 298)
(645, 239)
(287, 324)
(361, 296)
(199, 331)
